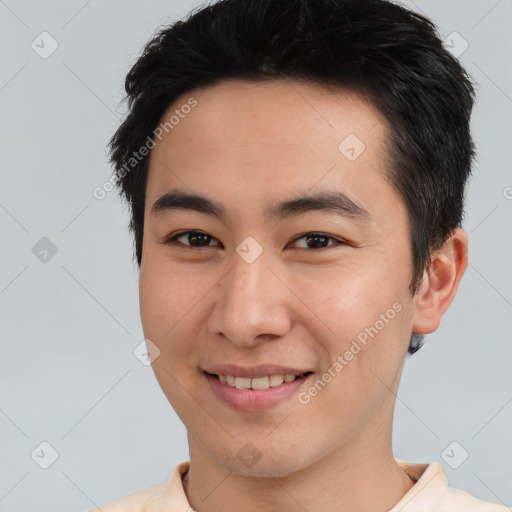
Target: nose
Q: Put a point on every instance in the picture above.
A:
(250, 304)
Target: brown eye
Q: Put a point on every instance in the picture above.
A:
(198, 239)
(191, 239)
(319, 241)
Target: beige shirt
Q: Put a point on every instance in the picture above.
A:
(430, 493)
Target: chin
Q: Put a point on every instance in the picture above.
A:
(260, 465)
(260, 470)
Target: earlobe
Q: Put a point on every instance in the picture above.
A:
(440, 282)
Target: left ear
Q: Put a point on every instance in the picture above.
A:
(440, 282)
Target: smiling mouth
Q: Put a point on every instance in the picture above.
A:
(256, 383)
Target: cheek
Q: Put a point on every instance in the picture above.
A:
(168, 301)
(359, 320)
(166, 294)
(364, 352)
(342, 302)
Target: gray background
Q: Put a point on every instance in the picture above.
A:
(69, 325)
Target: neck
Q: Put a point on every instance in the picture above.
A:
(362, 479)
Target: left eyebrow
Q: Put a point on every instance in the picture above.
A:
(336, 202)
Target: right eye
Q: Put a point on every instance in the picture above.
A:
(196, 239)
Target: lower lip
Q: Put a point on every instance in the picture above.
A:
(254, 399)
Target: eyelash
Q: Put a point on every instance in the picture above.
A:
(172, 240)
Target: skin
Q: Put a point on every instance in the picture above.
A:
(247, 145)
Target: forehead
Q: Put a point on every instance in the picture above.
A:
(278, 111)
(261, 139)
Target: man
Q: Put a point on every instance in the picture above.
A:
(295, 171)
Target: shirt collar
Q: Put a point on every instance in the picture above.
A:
(430, 482)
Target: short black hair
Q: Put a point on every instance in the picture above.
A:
(377, 48)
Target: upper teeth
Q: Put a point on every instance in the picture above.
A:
(256, 383)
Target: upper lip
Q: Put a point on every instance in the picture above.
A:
(254, 371)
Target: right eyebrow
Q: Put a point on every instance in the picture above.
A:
(178, 200)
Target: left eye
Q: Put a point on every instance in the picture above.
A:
(197, 239)
(319, 240)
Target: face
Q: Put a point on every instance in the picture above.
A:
(296, 261)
